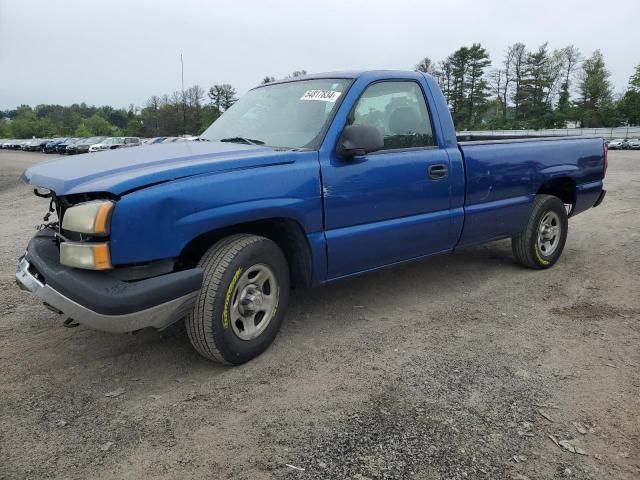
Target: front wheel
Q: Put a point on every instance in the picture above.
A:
(542, 242)
(244, 296)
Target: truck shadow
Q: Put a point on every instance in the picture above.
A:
(443, 278)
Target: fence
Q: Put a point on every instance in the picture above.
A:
(606, 133)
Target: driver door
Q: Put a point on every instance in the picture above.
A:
(394, 204)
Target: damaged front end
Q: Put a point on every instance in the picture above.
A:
(67, 265)
(53, 208)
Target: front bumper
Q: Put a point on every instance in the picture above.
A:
(99, 299)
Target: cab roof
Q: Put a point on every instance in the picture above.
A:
(350, 74)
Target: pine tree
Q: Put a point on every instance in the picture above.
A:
(537, 82)
(594, 105)
(476, 83)
(466, 84)
(630, 102)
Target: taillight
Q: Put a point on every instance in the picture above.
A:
(606, 159)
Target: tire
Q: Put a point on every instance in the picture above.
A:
(226, 324)
(537, 247)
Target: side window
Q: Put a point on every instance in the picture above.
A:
(399, 111)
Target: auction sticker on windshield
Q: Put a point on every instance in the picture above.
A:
(321, 95)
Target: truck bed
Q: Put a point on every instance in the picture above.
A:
(503, 175)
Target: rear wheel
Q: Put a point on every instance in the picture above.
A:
(542, 242)
(243, 299)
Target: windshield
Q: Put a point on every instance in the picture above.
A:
(286, 115)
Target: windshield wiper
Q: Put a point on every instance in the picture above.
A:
(248, 141)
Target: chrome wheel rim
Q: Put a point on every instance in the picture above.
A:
(254, 302)
(549, 233)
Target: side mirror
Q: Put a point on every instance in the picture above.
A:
(359, 140)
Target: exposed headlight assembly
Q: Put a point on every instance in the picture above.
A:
(90, 256)
(92, 218)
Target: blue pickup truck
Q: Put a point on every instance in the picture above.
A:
(302, 182)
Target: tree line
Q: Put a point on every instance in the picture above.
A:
(532, 88)
(181, 112)
(187, 112)
(539, 88)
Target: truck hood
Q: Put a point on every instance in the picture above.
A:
(121, 170)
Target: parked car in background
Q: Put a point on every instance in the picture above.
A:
(153, 141)
(634, 143)
(32, 145)
(43, 143)
(107, 144)
(36, 145)
(18, 144)
(618, 144)
(84, 145)
(112, 143)
(62, 146)
(50, 146)
(184, 138)
(132, 142)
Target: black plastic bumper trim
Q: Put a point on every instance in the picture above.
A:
(600, 198)
(102, 292)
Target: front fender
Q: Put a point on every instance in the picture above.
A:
(159, 221)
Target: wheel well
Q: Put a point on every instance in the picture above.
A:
(286, 233)
(563, 187)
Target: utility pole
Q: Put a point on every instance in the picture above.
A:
(182, 72)
(184, 103)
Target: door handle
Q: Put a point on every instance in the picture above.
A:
(438, 171)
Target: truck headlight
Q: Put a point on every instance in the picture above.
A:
(91, 256)
(93, 218)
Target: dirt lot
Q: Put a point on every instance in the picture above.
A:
(462, 366)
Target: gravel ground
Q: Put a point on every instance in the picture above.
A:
(461, 366)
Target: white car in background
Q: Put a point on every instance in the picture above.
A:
(618, 144)
(112, 143)
(634, 143)
(182, 138)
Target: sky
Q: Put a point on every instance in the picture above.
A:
(121, 52)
